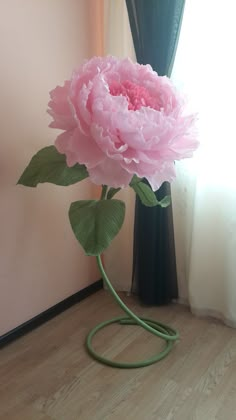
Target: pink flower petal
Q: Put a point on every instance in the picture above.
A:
(62, 144)
(120, 118)
(109, 172)
(166, 172)
(60, 108)
(86, 150)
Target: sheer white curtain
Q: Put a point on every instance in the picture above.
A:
(204, 194)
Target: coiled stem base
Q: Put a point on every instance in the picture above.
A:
(168, 334)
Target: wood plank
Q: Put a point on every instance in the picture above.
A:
(47, 375)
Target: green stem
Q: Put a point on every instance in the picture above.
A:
(127, 310)
(158, 329)
(104, 192)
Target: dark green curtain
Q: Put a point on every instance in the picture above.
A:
(155, 26)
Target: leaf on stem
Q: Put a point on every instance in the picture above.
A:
(96, 223)
(48, 165)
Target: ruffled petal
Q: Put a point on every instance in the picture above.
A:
(166, 172)
(86, 150)
(109, 172)
(60, 109)
(63, 145)
(79, 148)
(120, 118)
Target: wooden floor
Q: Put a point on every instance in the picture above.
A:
(48, 375)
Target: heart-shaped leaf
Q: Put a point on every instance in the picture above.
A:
(96, 223)
(48, 165)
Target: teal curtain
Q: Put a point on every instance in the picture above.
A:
(155, 27)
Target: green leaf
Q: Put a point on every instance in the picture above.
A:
(112, 192)
(135, 180)
(165, 202)
(145, 193)
(48, 165)
(96, 223)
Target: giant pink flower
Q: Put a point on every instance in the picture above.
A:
(119, 119)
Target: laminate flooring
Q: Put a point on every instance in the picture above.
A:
(47, 374)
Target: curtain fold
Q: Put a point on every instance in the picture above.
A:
(118, 42)
(155, 27)
(204, 192)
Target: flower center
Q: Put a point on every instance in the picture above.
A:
(137, 96)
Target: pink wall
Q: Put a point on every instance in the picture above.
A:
(40, 261)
